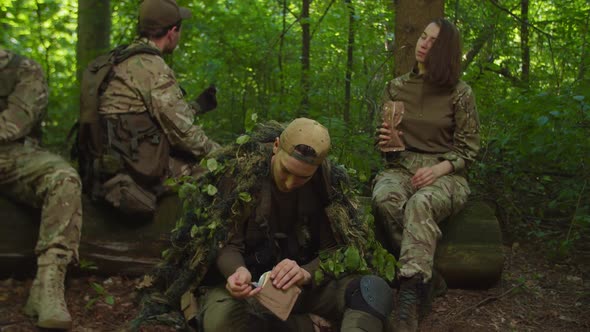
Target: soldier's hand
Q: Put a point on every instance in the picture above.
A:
(288, 273)
(207, 100)
(383, 134)
(239, 284)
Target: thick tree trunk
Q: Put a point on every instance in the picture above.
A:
(349, 62)
(411, 17)
(305, 51)
(94, 31)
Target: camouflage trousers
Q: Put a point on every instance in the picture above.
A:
(221, 312)
(407, 219)
(44, 180)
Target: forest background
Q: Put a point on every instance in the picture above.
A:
(527, 61)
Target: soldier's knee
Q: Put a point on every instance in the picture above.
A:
(225, 315)
(420, 200)
(370, 294)
(67, 178)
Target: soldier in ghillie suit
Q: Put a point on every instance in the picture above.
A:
(146, 127)
(426, 183)
(36, 177)
(272, 202)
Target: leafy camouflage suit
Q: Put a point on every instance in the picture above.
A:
(446, 124)
(39, 178)
(212, 219)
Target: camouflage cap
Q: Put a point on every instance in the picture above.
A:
(157, 14)
(307, 132)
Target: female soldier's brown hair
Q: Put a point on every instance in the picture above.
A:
(443, 62)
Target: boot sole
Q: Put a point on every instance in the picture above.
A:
(55, 324)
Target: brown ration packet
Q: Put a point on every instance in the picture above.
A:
(392, 113)
(278, 301)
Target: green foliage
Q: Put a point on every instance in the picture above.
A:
(534, 160)
(87, 265)
(536, 165)
(100, 294)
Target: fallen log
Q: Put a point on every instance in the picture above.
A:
(111, 243)
(470, 253)
(468, 256)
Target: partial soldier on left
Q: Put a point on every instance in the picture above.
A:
(39, 178)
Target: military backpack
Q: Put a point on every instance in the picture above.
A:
(89, 145)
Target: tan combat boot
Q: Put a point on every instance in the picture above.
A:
(46, 298)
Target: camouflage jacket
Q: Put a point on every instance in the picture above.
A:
(23, 98)
(233, 190)
(437, 121)
(145, 83)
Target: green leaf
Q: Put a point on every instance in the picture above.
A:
(212, 164)
(352, 259)
(318, 276)
(109, 299)
(90, 303)
(243, 139)
(211, 190)
(246, 197)
(165, 253)
(98, 288)
(390, 270)
(194, 231)
(186, 189)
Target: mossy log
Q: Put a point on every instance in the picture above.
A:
(470, 253)
(468, 256)
(111, 243)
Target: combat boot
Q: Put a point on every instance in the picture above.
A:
(408, 304)
(435, 287)
(46, 298)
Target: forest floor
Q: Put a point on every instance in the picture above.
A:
(534, 294)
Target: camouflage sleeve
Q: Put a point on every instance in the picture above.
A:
(176, 116)
(466, 139)
(26, 104)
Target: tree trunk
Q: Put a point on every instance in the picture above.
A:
(411, 17)
(584, 61)
(478, 44)
(94, 31)
(349, 62)
(524, 43)
(280, 57)
(305, 51)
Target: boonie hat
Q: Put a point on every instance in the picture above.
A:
(157, 14)
(308, 132)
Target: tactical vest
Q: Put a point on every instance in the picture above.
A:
(8, 80)
(107, 145)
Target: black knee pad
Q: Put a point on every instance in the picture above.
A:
(370, 294)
